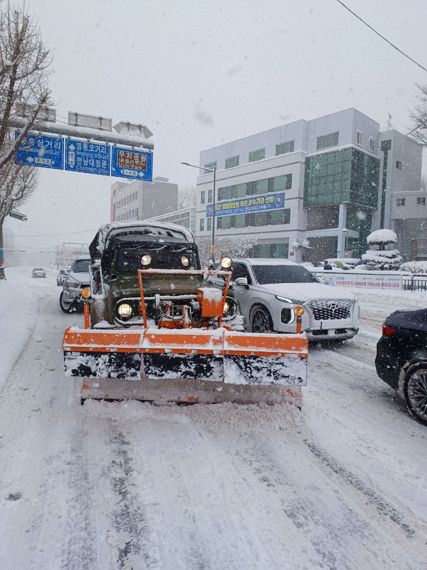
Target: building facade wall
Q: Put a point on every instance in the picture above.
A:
(140, 200)
(336, 163)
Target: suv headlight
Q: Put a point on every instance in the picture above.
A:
(290, 301)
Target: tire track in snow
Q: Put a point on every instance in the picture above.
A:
(129, 517)
(79, 552)
(383, 508)
(319, 530)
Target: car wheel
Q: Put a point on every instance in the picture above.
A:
(261, 321)
(66, 306)
(415, 391)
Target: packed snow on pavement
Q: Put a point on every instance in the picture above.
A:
(339, 484)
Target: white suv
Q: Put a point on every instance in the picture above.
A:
(268, 290)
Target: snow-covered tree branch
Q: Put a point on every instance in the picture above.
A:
(24, 65)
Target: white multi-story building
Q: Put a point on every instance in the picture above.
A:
(140, 200)
(317, 180)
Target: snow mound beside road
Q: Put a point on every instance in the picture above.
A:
(17, 317)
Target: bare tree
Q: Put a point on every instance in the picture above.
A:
(24, 64)
(419, 115)
(187, 197)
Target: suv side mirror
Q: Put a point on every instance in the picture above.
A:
(242, 281)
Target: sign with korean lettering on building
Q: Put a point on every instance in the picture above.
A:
(248, 204)
(43, 151)
(88, 157)
(132, 163)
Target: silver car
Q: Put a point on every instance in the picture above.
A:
(77, 279)
(268, 290)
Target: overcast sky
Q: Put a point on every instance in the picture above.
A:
(200, 73)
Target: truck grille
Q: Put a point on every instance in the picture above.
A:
(328, 310)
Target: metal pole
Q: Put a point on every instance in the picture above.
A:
(213, 216)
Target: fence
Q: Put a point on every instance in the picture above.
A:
(386, 280)
(414, 283)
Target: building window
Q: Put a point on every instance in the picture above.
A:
(421, 200)
(209, 224)
(210, 166)
(202, 225)
(358, 137)
(399, 165)
(347, 175)
(232, 162)
(371, 144)
(209, 196)
(284, 148)
(401, 201)
(255, 155)
(203, 197)
(274, 184)
(327, 140)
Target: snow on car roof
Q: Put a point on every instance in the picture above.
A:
(265, 261)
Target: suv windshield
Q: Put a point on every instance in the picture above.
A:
(81, 266)
(282, 274)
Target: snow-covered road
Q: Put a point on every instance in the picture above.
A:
(341, 484)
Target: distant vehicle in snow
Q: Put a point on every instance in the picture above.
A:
(269, 290)
(76, 279)
(62, 275)
(401, 359)
(342, 263)
(38, 272)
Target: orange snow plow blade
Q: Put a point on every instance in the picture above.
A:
(183, 357)
(187, 365)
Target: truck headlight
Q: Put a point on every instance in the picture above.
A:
(230, 309)
(226, 263)
(185, 262)
(146, 260)
(124, 310)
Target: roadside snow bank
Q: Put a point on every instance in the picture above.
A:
(17, 316)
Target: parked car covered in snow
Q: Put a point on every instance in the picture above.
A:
(38, 272)
(76, 280)
(268, 290)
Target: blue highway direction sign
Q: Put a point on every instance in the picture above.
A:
(89, 157)
(42, 151)
(131, 163)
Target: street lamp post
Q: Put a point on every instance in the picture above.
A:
(213, 170)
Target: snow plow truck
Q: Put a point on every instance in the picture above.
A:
(159, 328)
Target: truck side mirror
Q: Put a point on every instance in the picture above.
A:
(243, 281)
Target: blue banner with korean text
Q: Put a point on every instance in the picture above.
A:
(248, 204)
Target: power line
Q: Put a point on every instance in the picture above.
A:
(381, 36)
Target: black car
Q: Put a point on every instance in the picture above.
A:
(402, 358)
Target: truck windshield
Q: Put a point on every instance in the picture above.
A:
(282, 274)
